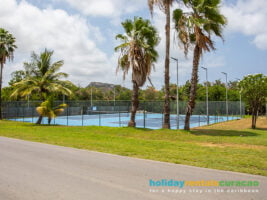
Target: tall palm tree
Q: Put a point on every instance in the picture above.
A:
(137, 54)
(7, 48)
(196, 28)
(42, 78)
(165, 6)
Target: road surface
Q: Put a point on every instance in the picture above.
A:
(36, 171)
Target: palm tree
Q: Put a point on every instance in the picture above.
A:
(137, 54)
(196, 27)
(165, 5)
(42, 78)
(49, 110)
(7, 48)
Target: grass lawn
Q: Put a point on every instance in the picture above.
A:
(227, 146)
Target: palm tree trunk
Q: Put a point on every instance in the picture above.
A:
(135, 104)
(49, 120)
(166, 123)
(193, 89)
(1, 77)
(40, 118)
(39, 121)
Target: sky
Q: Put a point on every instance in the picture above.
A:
(82, 33)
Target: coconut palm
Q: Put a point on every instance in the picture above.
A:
(137, 53)
(49, 110)
(7, 48)
(196, 28)
(165, 6)
(42, 78)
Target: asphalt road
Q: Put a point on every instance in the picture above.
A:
(36, 171)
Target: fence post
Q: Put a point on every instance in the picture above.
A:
(23, 113)
(67, 115)
(7, 115)
(119, 116)
(17, 113)
(162, 119)
(99, 118)
(144, 114)
(82, 116)
(32, 113)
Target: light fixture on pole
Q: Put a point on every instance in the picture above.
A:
(177, 93)
(226, 89)
(207, 95)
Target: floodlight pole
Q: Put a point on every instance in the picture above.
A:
(177, 92)
(226, 89)
(207, 95)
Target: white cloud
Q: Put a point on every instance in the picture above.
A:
(70, 36)
(250, 18)
(106, 8)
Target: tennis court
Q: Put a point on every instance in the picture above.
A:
(121, 119)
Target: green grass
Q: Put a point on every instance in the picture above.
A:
(211, 147)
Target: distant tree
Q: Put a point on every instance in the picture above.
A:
(17, 76)
(6, 92)
(201, 92)
(217, 93)
(233, 85)
(219, 83)
(7, 48)
(254, 90)
(149, 94)
(123, 93)
(138, 54)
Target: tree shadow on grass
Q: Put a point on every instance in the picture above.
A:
(261, 129)
(215, 132)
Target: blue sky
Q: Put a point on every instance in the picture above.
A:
(81, 32)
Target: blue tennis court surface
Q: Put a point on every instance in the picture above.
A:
(143, 120)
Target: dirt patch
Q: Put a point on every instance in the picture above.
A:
(242, 146)
(237, 124)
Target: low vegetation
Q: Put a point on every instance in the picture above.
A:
(229, 146)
